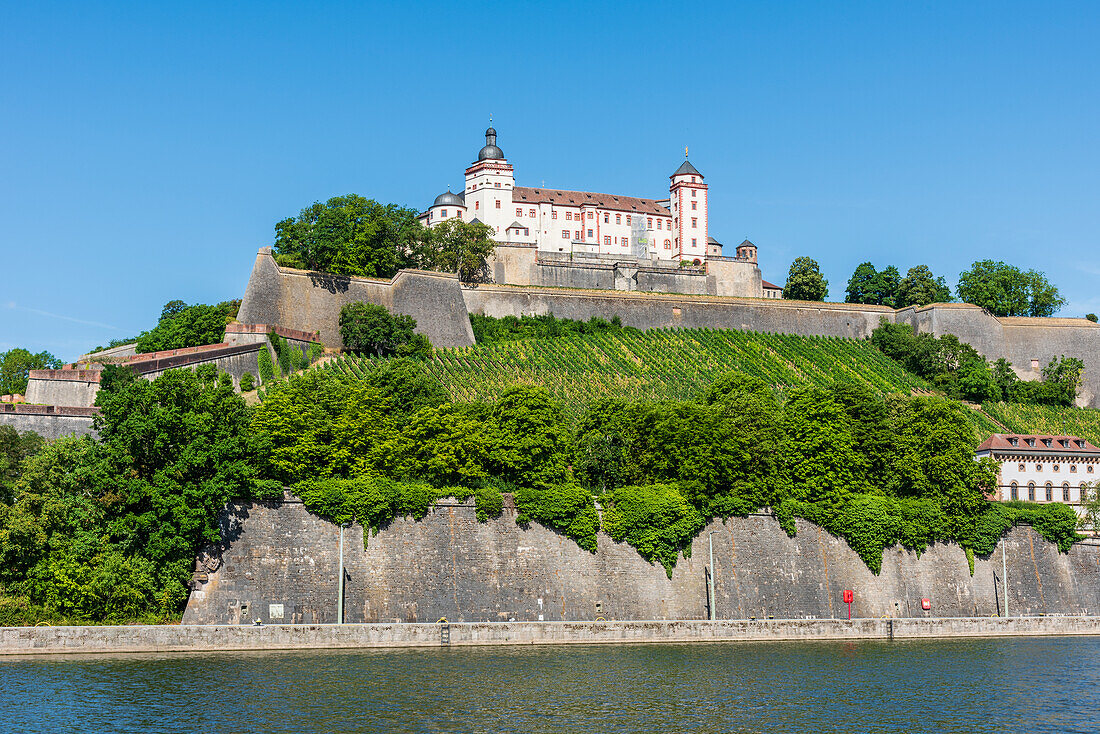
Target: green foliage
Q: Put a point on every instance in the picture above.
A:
(656, 519)
(455, 246)
(528, 439)
(1005, 290)
(110, 530)
(920, 287)
(248, 382)
(873, 287)
(1046, 419)
(510, 328)
(369, 328)
(15, 448)
(655, 365)
(1091, 317)
(963, 374)
(349, 235)
(182, 326)
(805, 281)
(15, 366)
(266, 366)
(565, 507)
(1090, 505)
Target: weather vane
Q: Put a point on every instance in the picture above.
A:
(685, 151)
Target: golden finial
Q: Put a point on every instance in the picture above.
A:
(685, 152)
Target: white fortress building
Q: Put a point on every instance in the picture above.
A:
(1042, 468)
(636, 241)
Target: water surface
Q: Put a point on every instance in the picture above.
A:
(1011, 685)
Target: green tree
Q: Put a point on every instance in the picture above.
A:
(862, 286)
(455, 246)
(15, 367)
(1005, 290)
(183, 326)
(349, 235)
(1091, 317)
(805, 281)
(818, 459)
(920, 287)
(1090, 506)
(528, 441)
(15, 448)
(369, 328)
(886, 286)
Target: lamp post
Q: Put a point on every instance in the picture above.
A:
(1004, 571)
(340, 582)
(710, 589)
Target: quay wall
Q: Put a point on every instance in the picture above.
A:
(227, 638)
(277, 563)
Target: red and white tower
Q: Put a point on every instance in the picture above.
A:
(489, 184)
(688, 202)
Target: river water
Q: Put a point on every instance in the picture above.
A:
(992, 685)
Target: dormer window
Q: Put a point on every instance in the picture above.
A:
(1064, 442)
(1014, 441)
(1030, 442)
(1080, 444)
(1048, 442)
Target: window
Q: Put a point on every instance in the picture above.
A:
(497, 184)
(1014, 441)
(1064, 442)
(1031, 491)
(693, 205)
(693, 192)
(649, 222)
(1089, 470)
(443, 212)
(618, 219)
(553, 215)
(459, 214)
(1050, 492)
(569, 216)
(607, 239)
(1057, 467)
(668, 245)
(531, 213)
(1022, 467)
(1048, 442)
(519, 211)
(498, 203)
(616, 240)
(589, 233)
(693, 181)
(693, 244)
(477, 205)
(591, 215)
(1080, 443)
(1065, 492)
(628, 219)
(526, 231)
(1038, 467)
(565, 234)
(659, 222)
(1030, 442)
(1072, 468)
(606, 218)
(1015, 491)
(694, 222)
(577, 235)
(1083, 492)
(624, 241)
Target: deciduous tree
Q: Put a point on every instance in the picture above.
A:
(805, 281)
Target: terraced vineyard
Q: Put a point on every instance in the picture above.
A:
(1083, 422)
(657, 364)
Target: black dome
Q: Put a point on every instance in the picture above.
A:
(490, 152)
(448, 199)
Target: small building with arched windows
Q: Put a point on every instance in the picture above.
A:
(1042, 468)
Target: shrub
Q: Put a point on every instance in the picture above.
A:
(656, 519)
(248, 382)
(368, 328)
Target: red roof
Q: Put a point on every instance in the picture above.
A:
(771, 285)
(630, 204)
(1003, 443)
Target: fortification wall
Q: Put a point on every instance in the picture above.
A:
(311, 302)
(449, 565)
(48, 421)
(1027, 339)
(75, 388)
(653, 311)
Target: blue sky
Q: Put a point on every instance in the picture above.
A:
(146, 151)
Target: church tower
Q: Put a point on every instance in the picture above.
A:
(489, 183)
(688, 202)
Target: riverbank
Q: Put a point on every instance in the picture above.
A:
(220, 638)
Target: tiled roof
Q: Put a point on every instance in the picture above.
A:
(687, 168)
(1002, 443)
(629, 204)
(766, 284)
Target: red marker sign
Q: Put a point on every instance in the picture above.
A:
(849, 597)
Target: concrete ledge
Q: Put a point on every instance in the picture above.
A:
(194, 638)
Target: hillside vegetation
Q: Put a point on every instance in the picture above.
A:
(1050, 419)
(657, 364)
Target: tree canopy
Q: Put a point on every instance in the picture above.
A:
(15, 367)
(369, 328)
(350, 235)
(1005, 290)
(181, 326)
(920, 287)
(455, 246)
(805, 281)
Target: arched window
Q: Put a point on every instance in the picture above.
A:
(1015, 491)
(1050, 492)
(1022, 467)
(1083, 494)
(1031, 491)
(1065, 491)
